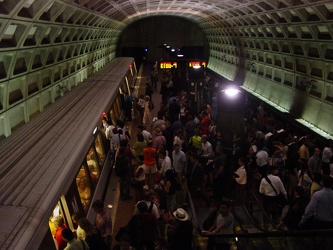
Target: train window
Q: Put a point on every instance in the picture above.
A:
(84, 187)
(59, 220)
(100, 149)
(93, 166)
(112, 115)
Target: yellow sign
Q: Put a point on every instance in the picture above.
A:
(168, 65)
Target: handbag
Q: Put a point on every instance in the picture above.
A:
(282, 201)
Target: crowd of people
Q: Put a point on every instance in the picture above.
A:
(178, 151)
(85, 236)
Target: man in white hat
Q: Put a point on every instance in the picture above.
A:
(180, 231)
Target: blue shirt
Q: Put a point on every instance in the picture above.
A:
(321, 206)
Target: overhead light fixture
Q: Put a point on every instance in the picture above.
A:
(180, 55)
(231, 92)
(196, 67)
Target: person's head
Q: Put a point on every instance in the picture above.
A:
(58, 221)
(76, 216)
(82, 183)
(114, 131)
(142, 207)
(98, 206)
(317, 152)
(180, 214)
(162, 154)
(141, 158)
(67, 234)
(147, 98)
(140, 137)
(158, 131)
(327, 181)
(85, 225)
(224, 207)
(120, 123)
(204, 138)
(241, 161)
(176, 147)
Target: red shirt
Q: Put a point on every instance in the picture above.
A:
(149, 155)
(205, 125)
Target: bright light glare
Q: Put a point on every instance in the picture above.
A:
(180, 55)
(231, 92)
(196, 67)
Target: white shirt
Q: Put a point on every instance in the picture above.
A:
(207, 149)
(179, 159)
(304, 180)
(147, 135)
(266, 189)
(77, 245)
(166, 164)
(108, 131)
(241, 172)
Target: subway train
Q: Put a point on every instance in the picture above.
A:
(58, 163)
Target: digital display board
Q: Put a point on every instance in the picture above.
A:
(168, 65)
(197, 64)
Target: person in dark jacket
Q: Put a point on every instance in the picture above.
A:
(91, 235)
(180, 231)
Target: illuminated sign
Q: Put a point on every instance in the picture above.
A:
(197, 64)
(168, 65)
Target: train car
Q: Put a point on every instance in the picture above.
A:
(58, 163)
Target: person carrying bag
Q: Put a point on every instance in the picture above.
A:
(272, 188)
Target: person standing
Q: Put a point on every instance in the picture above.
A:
(240, 176)
(103, 221)
(224, 224)
(178, 161)
(143, 228)
(327, 157)
(91, 235)
(271, 186)
(60, 225)
(180, 231)
(123, 172)
(320, 207)
(72, 243)
(314, 164)
(148, 106)
(128, 106)
(149, 160)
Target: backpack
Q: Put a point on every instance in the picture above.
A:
(121, 166)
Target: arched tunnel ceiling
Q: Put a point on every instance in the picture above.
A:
(231, 12)
(271, 46)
